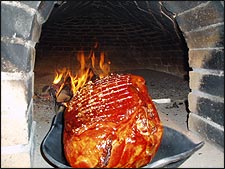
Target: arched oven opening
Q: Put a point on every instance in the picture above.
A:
(176, 46)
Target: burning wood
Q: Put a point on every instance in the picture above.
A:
(65, 84)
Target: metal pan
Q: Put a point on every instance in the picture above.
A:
(174, 149)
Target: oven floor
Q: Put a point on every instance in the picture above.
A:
(160, 86)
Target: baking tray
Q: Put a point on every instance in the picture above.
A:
(174, 149)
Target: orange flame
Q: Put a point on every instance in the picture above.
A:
(59, 75)
(84, 74)
(104, 66)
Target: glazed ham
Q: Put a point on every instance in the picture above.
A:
(111, 122)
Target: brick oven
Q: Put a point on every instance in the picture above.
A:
(181, 38)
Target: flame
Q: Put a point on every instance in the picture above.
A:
(104, 66)
(59, 75)
(88, 68)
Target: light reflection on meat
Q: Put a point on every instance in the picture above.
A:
(111, 122)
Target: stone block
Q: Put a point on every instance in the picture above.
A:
(43, 7)
(208, 130)
(16, 58)
(32, 4)
(209, 38)
(209, 14)
(18, 160)
(30, 116)
(36, 30)
(180, 6)
(208, 108)
(16, 111)
(208, 83)
(195, 80)
(207, 59)
(16, 22)
(213, 84)
(20, 155)
(16, 94)
(14, 129)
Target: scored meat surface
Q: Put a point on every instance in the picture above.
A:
(111, 122)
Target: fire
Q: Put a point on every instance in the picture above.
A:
(89, 66)
(59, 75)
(104, 66)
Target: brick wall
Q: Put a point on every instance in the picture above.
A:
(202, 24)
(20, 31)
(127, 42)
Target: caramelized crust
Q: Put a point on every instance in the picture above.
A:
(112, 122)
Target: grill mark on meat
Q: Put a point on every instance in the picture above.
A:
(100, 96)
(113, 78)
(96, 91)
(106, 102)
(118, 116)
